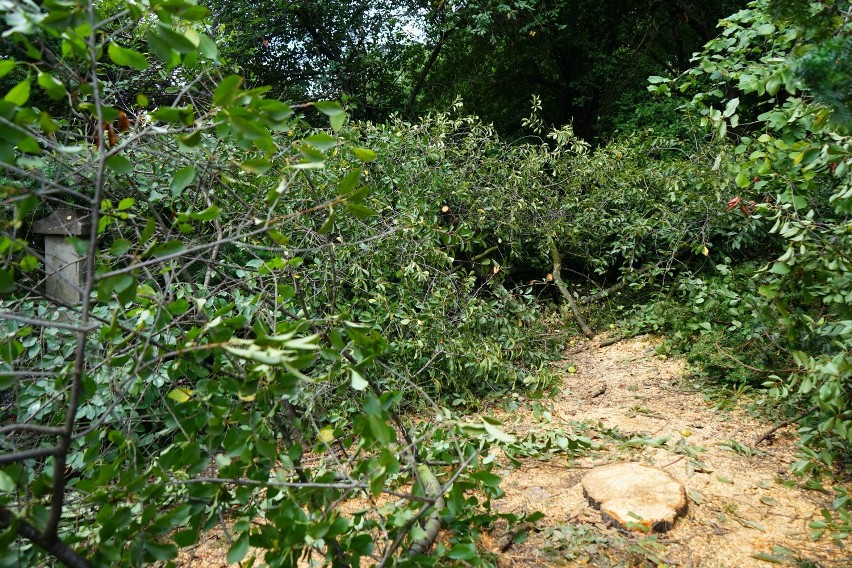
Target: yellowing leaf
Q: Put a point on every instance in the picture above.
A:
(326, 435)
(179, 395)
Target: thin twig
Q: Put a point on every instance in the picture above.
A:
(785, 423)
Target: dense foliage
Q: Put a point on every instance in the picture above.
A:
(587, 61)
(270, 289)
(787, 151)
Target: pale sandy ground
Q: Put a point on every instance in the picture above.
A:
(738, 506)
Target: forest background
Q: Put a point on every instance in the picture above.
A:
(309, 220)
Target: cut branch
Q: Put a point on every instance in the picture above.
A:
(56, 547)
(784, 424)
(563, 289)
(432, 488)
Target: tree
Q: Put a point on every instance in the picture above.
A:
(586, 61)
(360, 51)
(210, 349)
(763, 90)
(581, 59)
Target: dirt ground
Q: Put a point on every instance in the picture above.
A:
(739, 505)
(745, 508)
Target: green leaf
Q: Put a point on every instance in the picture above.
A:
(357, 381)
(769, 558)
(321, 141)
(256, 165)
(167, 248)
(207, 48)
(6, 66)
(7, 380)
(329, 108)
(207, 215)
(54, 89)
(364, 154)
(178, 307)
(334, 112)
(29, 145)
(29, 263)
(349, 181)
(327, 225)
(127, 57)
(191, 139)
(767, 292)
(7, 484)
(780, 268)
(239, 549)
(162, 50)
(48, 125)
(119, 164)
(742, 180)
(337, 121)
(182, 42)
(179, 115)
(655, 79)
(183, 177)
(227, 90)
(773, 85)
(752, 524)
(379, 429)
(125, 203)
(160, 552)
(498, 434)
(487, 478)
(360, 211)
(731, 107)
(119, 247)
(19, 94)
(7, 280)
(463, 551)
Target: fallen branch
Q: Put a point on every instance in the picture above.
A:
(507, 540)
(612, 341)
(784, 424)
(617, 286)
(57, 548)
(749, 367)
(598, 392)
(557, 279)
(432, 489)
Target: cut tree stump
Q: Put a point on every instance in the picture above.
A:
(635, 496)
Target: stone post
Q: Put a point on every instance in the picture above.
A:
(64, 268)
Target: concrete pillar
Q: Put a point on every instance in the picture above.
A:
(64, 268)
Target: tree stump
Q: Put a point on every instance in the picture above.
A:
(635, 496)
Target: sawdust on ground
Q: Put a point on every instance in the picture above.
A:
(742, 504)
(739, 504)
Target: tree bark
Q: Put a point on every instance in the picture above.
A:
(432, 489)
(557, 279)
(425, 71)
(57, 548)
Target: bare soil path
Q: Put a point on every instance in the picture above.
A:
(744, 503)
(745, 507)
